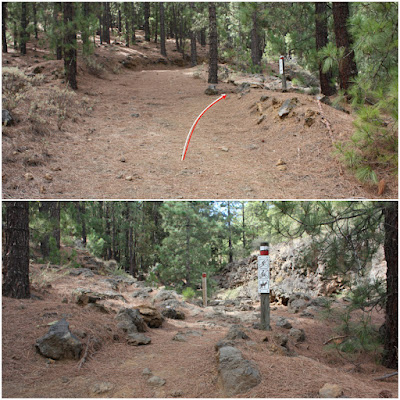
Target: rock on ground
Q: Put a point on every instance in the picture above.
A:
(137, 339)
(156, 381)
(59, 343)
(151, 316)
(297, 334)
(283, 323)
(237, 375)
(130, 320)
(172, 313)
(330, 390)
(100, 388)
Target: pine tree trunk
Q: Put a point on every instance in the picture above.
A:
(255, 43)
(34, 11)
(126, 13)
(243, 227)
(44, 211)
(70, 52)
(213, 40)
(175, 27)
(230, 250)
(162, 30)
(23, 33)
(3, 25)
(187, 275)
(84, 33)
(82, 218)
(321, 40)
(146, 22)
(15, 35)
(156, 27)
(109, 254)
(58, 39)
(347, 65)
(193, 49)
(55, 222)
(119, 21)
(390, 353)
(16, 259)
(203, 37)
(133, 23)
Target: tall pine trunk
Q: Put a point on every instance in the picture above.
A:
(3, 25)
(255, 42)
(347, 65)
(213, 40)
(16, 259)
(126, 15)
(321, 40)
(230, 250)
(23, 33)
(390, 353)
(146, 22)
(133, 16)
(70, 52)
(35, 27)
(162, 30)
(58, 36)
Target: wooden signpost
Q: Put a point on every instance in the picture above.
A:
(204, 285)
(263, 285)
(282, 72)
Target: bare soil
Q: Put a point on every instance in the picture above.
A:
(189, 368)
(130, 145)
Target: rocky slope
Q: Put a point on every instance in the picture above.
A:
(289, 274)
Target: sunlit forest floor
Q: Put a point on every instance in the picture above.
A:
(123, 134)
(189, 367)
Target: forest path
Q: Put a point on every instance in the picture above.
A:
(130, 145)
(230, 156)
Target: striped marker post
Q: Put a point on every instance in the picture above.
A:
(204, 284)
(263, 285)
(282, 72)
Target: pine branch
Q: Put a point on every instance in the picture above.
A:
(381, 378)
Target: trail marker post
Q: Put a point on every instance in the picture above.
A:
(263, 285)
(204, 285)
(282, 72)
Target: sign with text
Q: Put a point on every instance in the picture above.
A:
(281, 65)
(263, 274)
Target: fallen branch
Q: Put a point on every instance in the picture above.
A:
(336, 338)
(386, 376)
(84, 358)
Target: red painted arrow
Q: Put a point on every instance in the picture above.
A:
(185, 148)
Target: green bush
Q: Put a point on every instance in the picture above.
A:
(188, 293)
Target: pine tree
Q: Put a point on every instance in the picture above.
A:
(70, 45)
(162, 30)
(16, 259)
(213, 41)
(3, 25)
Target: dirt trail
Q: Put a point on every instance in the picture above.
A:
(189, 368)
(138, 128)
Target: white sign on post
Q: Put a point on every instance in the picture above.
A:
(263, 274)
(281, 65)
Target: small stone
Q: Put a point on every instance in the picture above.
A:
(282, 168)
(280, 162)
(102, 387)
(330, 390)
(122, 159)
(385, 394)
(28, 176)
(264, 98)
(283, 323)
(261, 119)
(224, 149)
(129, 178)
(64, 300)
(147, 372)
(7, 118)
(135, 115)
(64, 379)
(281, 339)
(48, 177)
(179, 337)
(298, 335)
(156, 381)
(42, 189)
(211, 90)
(55, 169)
(138, 339)
(177, 393)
